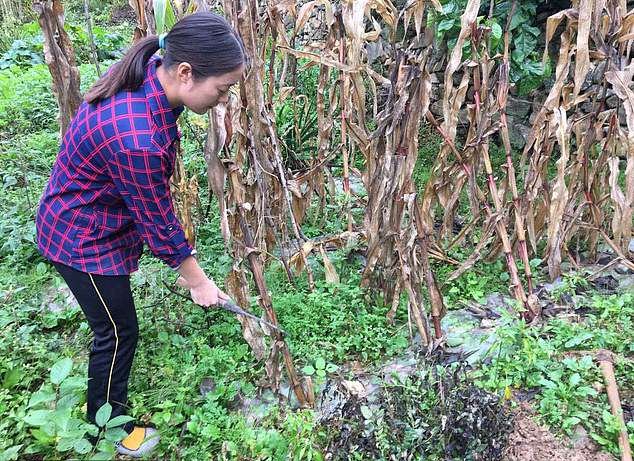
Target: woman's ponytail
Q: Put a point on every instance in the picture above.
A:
(127, 74)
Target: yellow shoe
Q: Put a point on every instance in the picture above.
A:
(140, 442)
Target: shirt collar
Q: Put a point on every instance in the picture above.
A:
(163, 115)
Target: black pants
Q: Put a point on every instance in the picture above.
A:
(107, 302)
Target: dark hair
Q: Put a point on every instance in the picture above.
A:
(205, 40)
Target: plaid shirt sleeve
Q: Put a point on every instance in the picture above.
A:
(142, 178)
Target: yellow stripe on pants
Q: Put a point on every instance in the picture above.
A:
(116, 336)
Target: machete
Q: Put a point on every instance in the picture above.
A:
(230, 306)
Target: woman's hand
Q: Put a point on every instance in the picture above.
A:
(205, 293)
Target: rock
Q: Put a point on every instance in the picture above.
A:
(436, 93)
(207, 385)
(604, 258)
(463, 115)
(54, 307)
(488, 323)
(622, 269)
(436, 108)
(627, 284)
(630, 247)
(550, 287)
(605, 284)
(622, 116)
(580, 438)
(612, 101)
(356, 388)
(586, 107)
(519, 108)
(518, 133)
(374, 50)
(57, 299)
(597, 74)
(400, 368)
(497, 303)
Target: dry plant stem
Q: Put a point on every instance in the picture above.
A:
(345, 147)
(503, 86)
(282, 176)
(259, 195)
(91, 37)
(606, 360)
(184, 195)
(267, 305)
(516, 284)
(59, 55)
(434, 293)
(465, 167)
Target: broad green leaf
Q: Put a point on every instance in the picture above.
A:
(518, 18)
(115, 434)
(73, 384)
(11, 453)
(103, 414)
(446, 24)
(170, 17)
(525, 44)
(61, 418)
(448, 8)
(42, 436)
(535, 262)
(82, 446)
(496, 31)
(37, 417)
(60, 370)
(308, 370)
(577, 340)
(44, 395)
(331, 368)
(164, 16)
(547, 383)
(320, 363)
(366, 412)
(119, 421)
(68, 401)
(65, 444)
(159, 15)
(11, 378)
(106, 446)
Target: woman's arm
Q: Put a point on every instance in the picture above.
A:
(203, 289)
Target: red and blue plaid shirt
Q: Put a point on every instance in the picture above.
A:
(109, 190)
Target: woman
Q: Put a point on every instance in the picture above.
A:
(109, 193)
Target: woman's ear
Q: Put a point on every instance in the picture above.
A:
(184, 73)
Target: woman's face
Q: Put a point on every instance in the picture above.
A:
(202, 94)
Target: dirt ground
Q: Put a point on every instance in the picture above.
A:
(530, 441)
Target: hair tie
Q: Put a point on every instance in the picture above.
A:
(161, 40)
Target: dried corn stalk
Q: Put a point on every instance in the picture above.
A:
(585, 200)
(60, 59)
(258, 202)
(589, 145)
(397, 241)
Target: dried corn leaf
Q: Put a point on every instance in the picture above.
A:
(331, 273)
(582, 58)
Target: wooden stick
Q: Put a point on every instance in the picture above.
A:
(605, 359)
